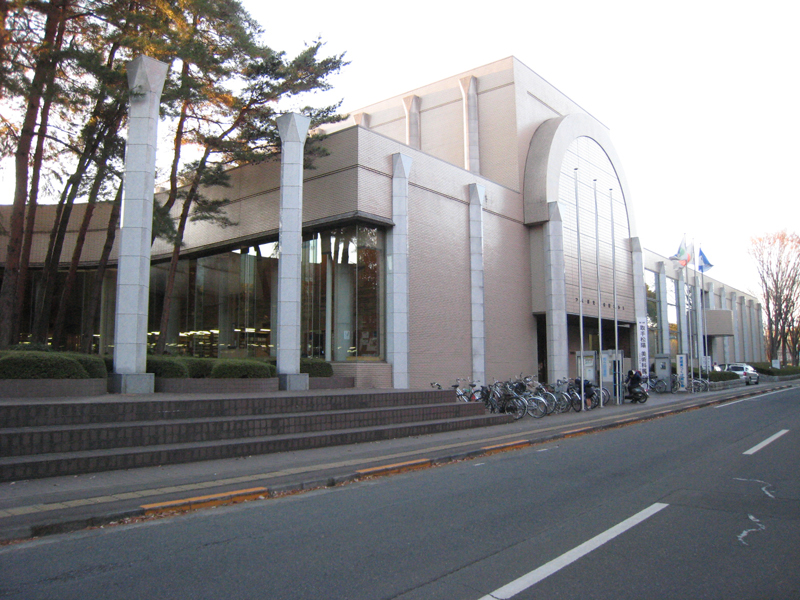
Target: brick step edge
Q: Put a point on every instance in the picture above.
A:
(84, 411)
(31, 441)
(54, 465)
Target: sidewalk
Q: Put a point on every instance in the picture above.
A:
(38, 507)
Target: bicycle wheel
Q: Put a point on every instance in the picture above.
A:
(518, 408)
(661, 386)
(536, 406)
(550, 401)
(605, 396)
(676, 385)
(594, 399)
(563, 403)
(575, 400)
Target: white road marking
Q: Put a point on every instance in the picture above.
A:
(523, 583)
(763, 489)
(749, 399)
(746, 532)
(766, 442)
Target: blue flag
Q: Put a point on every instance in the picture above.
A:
(703, 264)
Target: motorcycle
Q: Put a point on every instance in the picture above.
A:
(636, 393)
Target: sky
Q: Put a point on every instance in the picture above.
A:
(701, 97)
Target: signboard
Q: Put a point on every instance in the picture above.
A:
(683, 371)
(644, 357)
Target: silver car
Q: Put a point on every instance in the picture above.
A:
(744, 371)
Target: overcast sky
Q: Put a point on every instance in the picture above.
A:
(701, 97)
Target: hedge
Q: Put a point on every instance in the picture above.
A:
(167, 366)
(767, 369)
(722, 376)
(199, 368)
(316, 367)
(95, 365)
(40, 365)
(241, 369)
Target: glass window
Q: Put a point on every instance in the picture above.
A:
(226, 305)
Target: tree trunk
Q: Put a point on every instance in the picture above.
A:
(90, 320)
(44, 67)
(161, 344)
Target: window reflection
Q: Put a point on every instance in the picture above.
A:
(226, 305)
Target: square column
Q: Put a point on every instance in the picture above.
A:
(293, 129)
(397, 312)
(145, 82)
(413, 126)
(469, 94)
(555, 296)
(477, 198)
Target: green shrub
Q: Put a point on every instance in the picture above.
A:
(722, 376)
(40, 365)
(167, 366)
(199, 368)
(30, 347)
(241, 369)
(316, 367)
(95, 366)
(767, 369)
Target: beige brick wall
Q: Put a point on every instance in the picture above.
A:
(510, 325)
(439, 307)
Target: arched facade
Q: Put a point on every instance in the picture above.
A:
(584, 244)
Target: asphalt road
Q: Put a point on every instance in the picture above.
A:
(669, 508)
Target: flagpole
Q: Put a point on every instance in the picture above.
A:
(617, 375)
(580, 285)
(599, 292)
(705, 322)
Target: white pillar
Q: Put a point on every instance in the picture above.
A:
(469, 94)
(663, 310)
(145, 81)
(413, 129)
(397, 323)
(738, 355)
(555, 296)
(477, 198)
(683, 320)
(293, 129)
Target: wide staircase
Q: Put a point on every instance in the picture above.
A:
(67, 437)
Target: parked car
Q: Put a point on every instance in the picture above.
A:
(745, 372)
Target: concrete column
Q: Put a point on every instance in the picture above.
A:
(145, 82)
(413, 129)
(477, 198)
(762, 356)
(663, 313)
(699, 326)
(293, 129)
(469, 93)
(714, 343)
(738, 354)
(397, 323)
(555, 296)
(362, 119)
(683, 321)
(751, 332)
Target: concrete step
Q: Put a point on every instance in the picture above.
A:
(24, 413)
(24, 441)
(16, 468)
